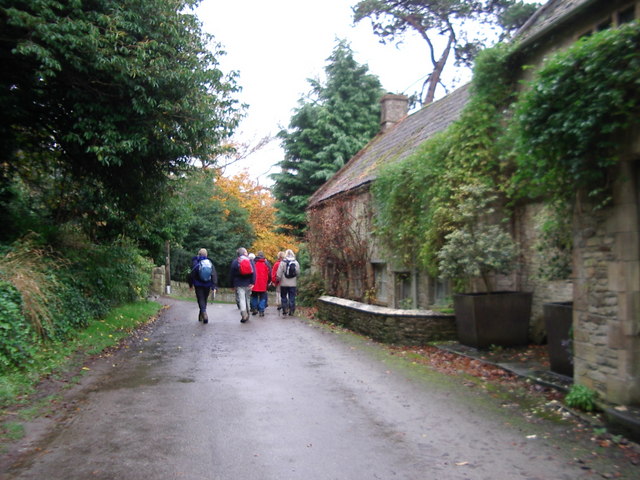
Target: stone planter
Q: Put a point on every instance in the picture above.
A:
(558, 318)
(498, 318)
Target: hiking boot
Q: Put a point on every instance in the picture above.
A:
(261, 314)
(291, 314)
(244, 317)
(205, 318)
(200, 316)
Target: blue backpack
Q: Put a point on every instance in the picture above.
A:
(205, 268)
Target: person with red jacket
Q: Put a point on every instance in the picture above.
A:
(259, 291)
(275, 281)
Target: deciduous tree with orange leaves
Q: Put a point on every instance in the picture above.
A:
(259, 202)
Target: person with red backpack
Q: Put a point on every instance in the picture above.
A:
(259, 291)
(288, 271)
(243, 278)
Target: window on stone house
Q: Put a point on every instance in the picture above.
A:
(356, 283)
(380, 280)
(624, 15)
(440, 291)
(627, 15)
(603, 25)
(404, 290)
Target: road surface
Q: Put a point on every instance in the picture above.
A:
(283, 398)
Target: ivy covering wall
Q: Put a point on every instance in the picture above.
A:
(560, 135)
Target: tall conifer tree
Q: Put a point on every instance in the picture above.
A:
(330, 125)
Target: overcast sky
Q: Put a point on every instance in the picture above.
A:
(277, 45)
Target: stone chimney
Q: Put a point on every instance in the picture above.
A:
(393, 109)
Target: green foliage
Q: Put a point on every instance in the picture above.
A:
(412, 206)
(582, 398)
(476, 247)
(570, 119)
(330, 126)
(214, 221)
(555, 243)
(58, 356)
(494, 75)
(109, 275)
(118, 324)
(417, 198)
(46, 297)
(102, 100)
(310, 287)
(17, 338)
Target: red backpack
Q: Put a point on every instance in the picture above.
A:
(244, 265)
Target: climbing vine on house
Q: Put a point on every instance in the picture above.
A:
(558, 137)
(570, 119)
(337, 241)
(416, 198)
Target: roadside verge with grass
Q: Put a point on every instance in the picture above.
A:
(20, 398)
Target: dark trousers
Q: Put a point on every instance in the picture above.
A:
(202, 294)
(258, 301)
(288, 298)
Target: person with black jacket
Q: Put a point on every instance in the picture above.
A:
(203, 278)
(243, 283)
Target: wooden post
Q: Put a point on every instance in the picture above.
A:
(167, 267)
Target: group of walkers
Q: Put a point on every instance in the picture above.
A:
(250, 276)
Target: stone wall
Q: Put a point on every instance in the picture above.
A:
(606, 318)
(157, 281)
(181, 289)
(404, 327)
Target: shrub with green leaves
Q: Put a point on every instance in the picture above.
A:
(109, 274)
(476, 247)
(569, 121)
(310, 288)
(582, 398)
(46, 297)
(17, 337)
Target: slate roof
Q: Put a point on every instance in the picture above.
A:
(393, 145)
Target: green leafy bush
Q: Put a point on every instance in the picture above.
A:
(17, 337)
(46, 297)
(582, 398)
(310, 288)
(554, 244)
(570, 118)
(476, 247)
(109, 275)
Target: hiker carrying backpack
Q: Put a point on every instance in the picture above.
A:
(288, 273)
(290, 269)
(204, 278)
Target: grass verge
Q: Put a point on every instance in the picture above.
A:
(61, 359)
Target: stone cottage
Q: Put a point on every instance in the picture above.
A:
(604, 285)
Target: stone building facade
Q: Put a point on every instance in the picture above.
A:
(604, 284)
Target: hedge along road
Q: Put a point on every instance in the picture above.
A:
(282, 398)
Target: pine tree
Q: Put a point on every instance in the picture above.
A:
(330, 125)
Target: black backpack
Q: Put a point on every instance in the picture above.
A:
(290, 269)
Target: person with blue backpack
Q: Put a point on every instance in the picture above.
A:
(203, 278)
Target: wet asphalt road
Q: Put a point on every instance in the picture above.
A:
(279, 398)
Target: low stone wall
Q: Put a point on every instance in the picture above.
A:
(388, 325)
(181, 289)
